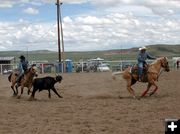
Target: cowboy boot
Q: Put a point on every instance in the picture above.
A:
(140, 78)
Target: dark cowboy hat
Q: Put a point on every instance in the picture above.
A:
(21, 57)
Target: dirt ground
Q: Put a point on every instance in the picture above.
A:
(91, 105)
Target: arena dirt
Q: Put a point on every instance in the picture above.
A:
(92, 103)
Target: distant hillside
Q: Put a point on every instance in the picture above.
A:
(165, 50)
(156, 50)
(32, 55)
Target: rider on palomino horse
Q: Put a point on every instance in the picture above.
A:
(142, 56)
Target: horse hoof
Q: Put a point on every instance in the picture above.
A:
(29, 92)
(31, 99)
(120, 97)
(14, 95)
(18, 97)
(151, 94)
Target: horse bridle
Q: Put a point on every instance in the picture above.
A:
(164, 65)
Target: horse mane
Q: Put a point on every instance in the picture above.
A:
(25, 72)
(156, 61)
(29, 69)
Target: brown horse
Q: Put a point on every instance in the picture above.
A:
(25, 81)
(151, 76)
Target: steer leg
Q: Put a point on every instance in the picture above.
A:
(56, 93)
(49, 93)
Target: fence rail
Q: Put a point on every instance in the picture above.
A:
(56, 68)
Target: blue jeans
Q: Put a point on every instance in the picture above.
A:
(21, 72)
(140, 68)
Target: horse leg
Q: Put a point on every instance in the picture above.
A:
(28, 92)
(29, 89)
(133, 81)
(14, 94)
(12, 87)
(131, 91)
(145, 92)
(33, 94)
(17, 89)
(22, 87)
(156, 88)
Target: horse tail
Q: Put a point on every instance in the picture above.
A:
(9, 77)
(114, 75)
(127, 73)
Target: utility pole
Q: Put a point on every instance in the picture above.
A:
(62, 39)
(27, 53)
(121, 58)
(58, 29)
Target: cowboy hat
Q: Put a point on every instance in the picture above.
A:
(21, 57)
(142, 48)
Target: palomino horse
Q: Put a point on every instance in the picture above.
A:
(25, 81)
(152, 74)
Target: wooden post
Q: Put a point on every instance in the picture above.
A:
(58, 29)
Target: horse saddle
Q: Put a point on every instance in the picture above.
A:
(18, 80)
(134, 71)
(21, 77)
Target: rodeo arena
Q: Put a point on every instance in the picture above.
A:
(88, 96)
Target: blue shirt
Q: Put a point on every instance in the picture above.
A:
(143, 56)
(23, 64)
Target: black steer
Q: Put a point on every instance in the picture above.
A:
(45, 83)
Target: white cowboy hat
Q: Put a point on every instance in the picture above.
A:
(142, 48)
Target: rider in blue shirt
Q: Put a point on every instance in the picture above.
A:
(142, 56)
(22, 67)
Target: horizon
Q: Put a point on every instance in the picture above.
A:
(91, 50)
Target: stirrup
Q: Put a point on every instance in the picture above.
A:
(140, 79)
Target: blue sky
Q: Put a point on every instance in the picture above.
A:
(88, 24)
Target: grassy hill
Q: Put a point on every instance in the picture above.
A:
(165, 50)
(156, 50)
